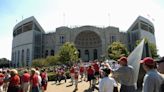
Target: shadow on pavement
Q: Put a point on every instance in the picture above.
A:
(69, 85)
(88, 90)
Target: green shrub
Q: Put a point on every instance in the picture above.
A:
(51, 77)
(68, 74)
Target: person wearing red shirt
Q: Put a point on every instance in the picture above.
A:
(72, 73)
(61, 75)
(1, 80)
(25, 81)
(76, 76)
(14, 83)
(44, 80)
(34, 81)
(81, 71)
(96, 68)
(90, 74)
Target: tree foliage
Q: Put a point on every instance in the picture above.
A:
(4, 62)
(52, 60)
(116, 50)
(39, 63)
(152, 47)
(153, 50)
(68, 53)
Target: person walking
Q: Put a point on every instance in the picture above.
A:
(152, 80)
(39, 79)
(96, 68)
(44, 80)
(125, 74)
(34, 81)
(90, 74)
(14, 83)
(25, 79)
(81, 72)
(72, 73)
(76, 76)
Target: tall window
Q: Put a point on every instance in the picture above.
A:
(18, 57)
(27, 57)
(95, 53)
(52, 52)
(22, 60)
(62, 39)
(112, 38)
(87, 55)
(15, 62)
(46, 54)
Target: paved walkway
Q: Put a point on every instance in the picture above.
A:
(63, 87)
(82, 87)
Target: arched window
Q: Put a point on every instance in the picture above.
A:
(52, 52)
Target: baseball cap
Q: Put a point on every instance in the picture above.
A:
(160, 60)
(123, 59)
(147, 61)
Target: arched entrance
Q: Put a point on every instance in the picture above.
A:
(89, 45)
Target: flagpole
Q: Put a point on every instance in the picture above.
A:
(109, 18)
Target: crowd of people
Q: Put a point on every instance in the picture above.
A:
(105, 77)
(96, 72)
(33, 80)
(101, 76)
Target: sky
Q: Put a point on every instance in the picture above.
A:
(55, 13)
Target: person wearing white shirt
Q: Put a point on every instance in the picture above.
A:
(106, 83)
(39, 77)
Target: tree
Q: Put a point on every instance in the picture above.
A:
(4, 62)
(39, 63)
(68, 53)
(116, 50)
(152, 47)
(153, 50)
(53, 60)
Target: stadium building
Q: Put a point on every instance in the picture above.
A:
(31, 42)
